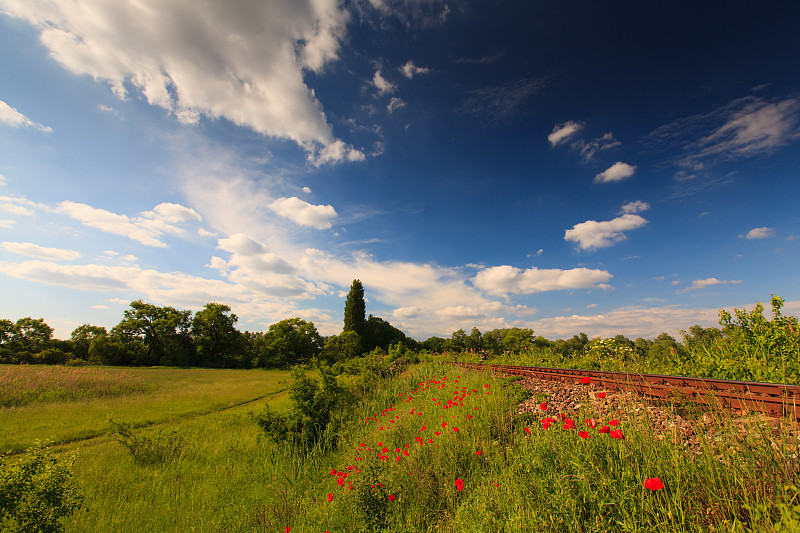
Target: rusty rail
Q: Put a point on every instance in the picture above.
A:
(774, 399)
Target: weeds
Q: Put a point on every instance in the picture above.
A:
(158, 448)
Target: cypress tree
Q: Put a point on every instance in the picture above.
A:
(355, 309)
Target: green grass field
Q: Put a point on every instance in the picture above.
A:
(410, 454)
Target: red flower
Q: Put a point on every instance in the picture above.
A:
(616, 434)
(455, 430)
(653, 483)
(460, 484)
(392, 497)
(601, 395)
(527, 430)
(330, 496)
(604, 429)
(287, 530)
(583, 434)
(614, 423)
(592, 423)
(585, 380)
(444, 424)
(545, 424)
(543, 406)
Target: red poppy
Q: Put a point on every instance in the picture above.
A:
(460, 484)
(528, 430)
(392, 497)
(653, 483)
(613, 423)
(585, 380)
(330, 496)
(478, 452)
(604, 429)
(592, 423)
(545, 424)
(543, 406)
(287, 530)
(444, 424)
(616, 434)
(583, 434)
(455, 430)
(601, 395)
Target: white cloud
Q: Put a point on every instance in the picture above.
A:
(589, 149)
(383, 85)
(335, 152)
(394, 104)
(40, 252)
(146, 228)
(15, 119)
(99, 307)
(3, 180)
(616, 172)
(242, 62)
(562, 132)
(703, 283)
(592, 234)
(635, 207)
(759, 233)
(304, 213)
(410, 70)
(505, 279)
(6, 223)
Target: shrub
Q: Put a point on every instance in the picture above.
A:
(157, 449)
(37, 491)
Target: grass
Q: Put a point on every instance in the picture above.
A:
(143, 397)
(222, 475)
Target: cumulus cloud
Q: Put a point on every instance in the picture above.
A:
(505, 279)
(304, 213)
(635, 207)
(409, 70)
(40, 252)
(592, 234)
(759, 233)
(383, 85)
(243, 62)
(616, 172)
(562, 132)
(15, 119)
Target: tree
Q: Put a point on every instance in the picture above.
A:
(473, 341)
(164, 331)
(82, 338)
(32, 334)
(340, 348)
(355, 309)
(215, 337)
(289, 342)
(379, 333)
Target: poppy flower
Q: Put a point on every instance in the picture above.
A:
(585, 380)
(653, 483)
(583, 434)
(528, 430)
(616, 434)
(478, 452)
(592, 423)
(543, 406)
(392, 497)
(460, 484)
(287, 530)
(613, 423)
(604, 429)
(545, 424)
(330, 496)
(601, 395)
(455, 430)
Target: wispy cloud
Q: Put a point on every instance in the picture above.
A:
(409, 69)
(500, 102)
(562, 132)
(759, 233)
(40, 252)
(635, 207)
(708, 282)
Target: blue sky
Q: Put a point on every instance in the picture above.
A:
(616, 167)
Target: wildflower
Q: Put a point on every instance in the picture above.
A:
(460, 484)
(527, 430)
(601, 395)
(392, 497)
(543, 406)
(616, 434)
(585, 380)
(455, 430)
(592, 423)
(653, 483)
(545, 424)
(583, 434)
(478, 452)
(330, 496)
(287, 530)
(613, 423)
(604, 429)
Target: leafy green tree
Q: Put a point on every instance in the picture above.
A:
(518, 340)
(355, 309)
(379, 333)
(31, 334)
(434, 344)
(289, 342)
(458, 341)
(342, 347)
(474, 340)
(164, 332)
(215, 336)
(82, 338)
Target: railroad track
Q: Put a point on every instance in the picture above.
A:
(774, 399)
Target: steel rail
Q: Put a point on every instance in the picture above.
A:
(774, 399)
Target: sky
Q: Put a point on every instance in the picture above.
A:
(566, 166)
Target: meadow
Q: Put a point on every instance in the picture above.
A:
(433, 448)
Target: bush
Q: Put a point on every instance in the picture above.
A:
(37, 491)
(159, 448)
